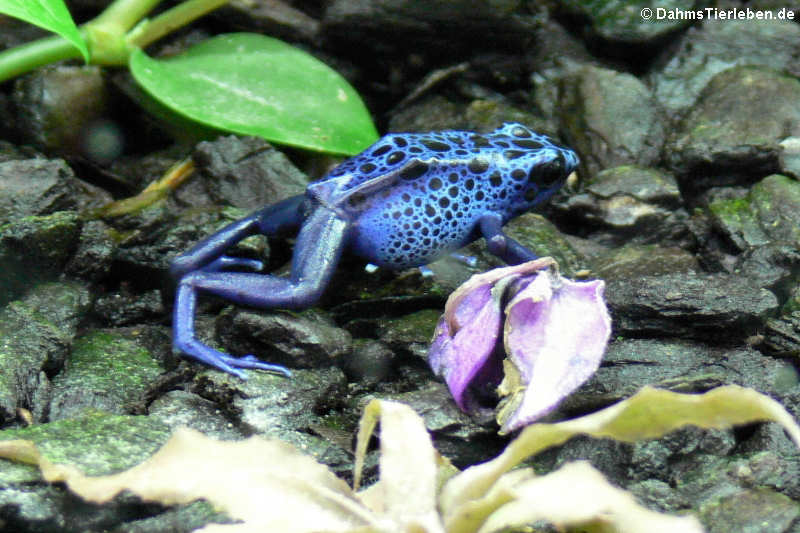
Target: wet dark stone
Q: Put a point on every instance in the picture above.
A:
(768, 213)
(35, 249)
(141, 251)
(179, 408)
(789, 158)
(138, 171)
(410, 333)
(633, 261)
(608, 456)
(41, 241)
(277, 19)
(242, 172)
(716, 485)
(612, 120)
(542, 237)
(656, 494)
(716, 45)
(370, 362)
(747, 509)
(682, 366)
(782, 334)
(628, 204)
(105, 372)
(436, 112)
(774, 266)
(124, 308)
(722, 307)
(35, 336)
(643, 184)
(42, 187)
(650, 459)
(289, 409)
(297, 340)
(394, 25)
(772, 458)
(57, 107)
(12, 152)
(623, 23)
(715, 145)
(95, 252)
(436, 109)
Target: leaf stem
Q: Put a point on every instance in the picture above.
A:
(122, 15)
(110, 35)
(24, 58)
(149, 31)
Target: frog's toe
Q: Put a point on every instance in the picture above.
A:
(226, 262)
(469, 260)
(228, 363)
(208, 355)
(251, 361)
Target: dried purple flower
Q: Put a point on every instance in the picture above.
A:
(554, 335)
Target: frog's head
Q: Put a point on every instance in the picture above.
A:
(539, 167)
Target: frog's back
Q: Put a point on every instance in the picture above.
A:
(413, 197)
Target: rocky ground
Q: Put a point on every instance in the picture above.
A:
(688, 205)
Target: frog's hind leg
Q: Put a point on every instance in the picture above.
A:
(317, 252)
(275, 219)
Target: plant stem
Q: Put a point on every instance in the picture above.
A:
(106, 34)
(149, 31)
(122, 15)
(24, 58)
(109, 35)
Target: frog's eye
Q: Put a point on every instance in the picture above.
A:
(549, 173)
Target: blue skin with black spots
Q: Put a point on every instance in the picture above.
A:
(405, 201)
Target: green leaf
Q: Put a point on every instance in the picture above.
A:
(51, 15)
(255, 85)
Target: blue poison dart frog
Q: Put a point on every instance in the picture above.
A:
(405, 201)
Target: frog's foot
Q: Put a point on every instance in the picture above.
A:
(426, 271)
(469, 260)
(500, 244)
(225, 262)
(225, 362)
(251, 361)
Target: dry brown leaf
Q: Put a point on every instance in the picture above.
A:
(648, 414)
(405, 496)
(267, 484)
(577, 495)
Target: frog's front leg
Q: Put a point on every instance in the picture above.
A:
(500, 244)
(317, 251)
